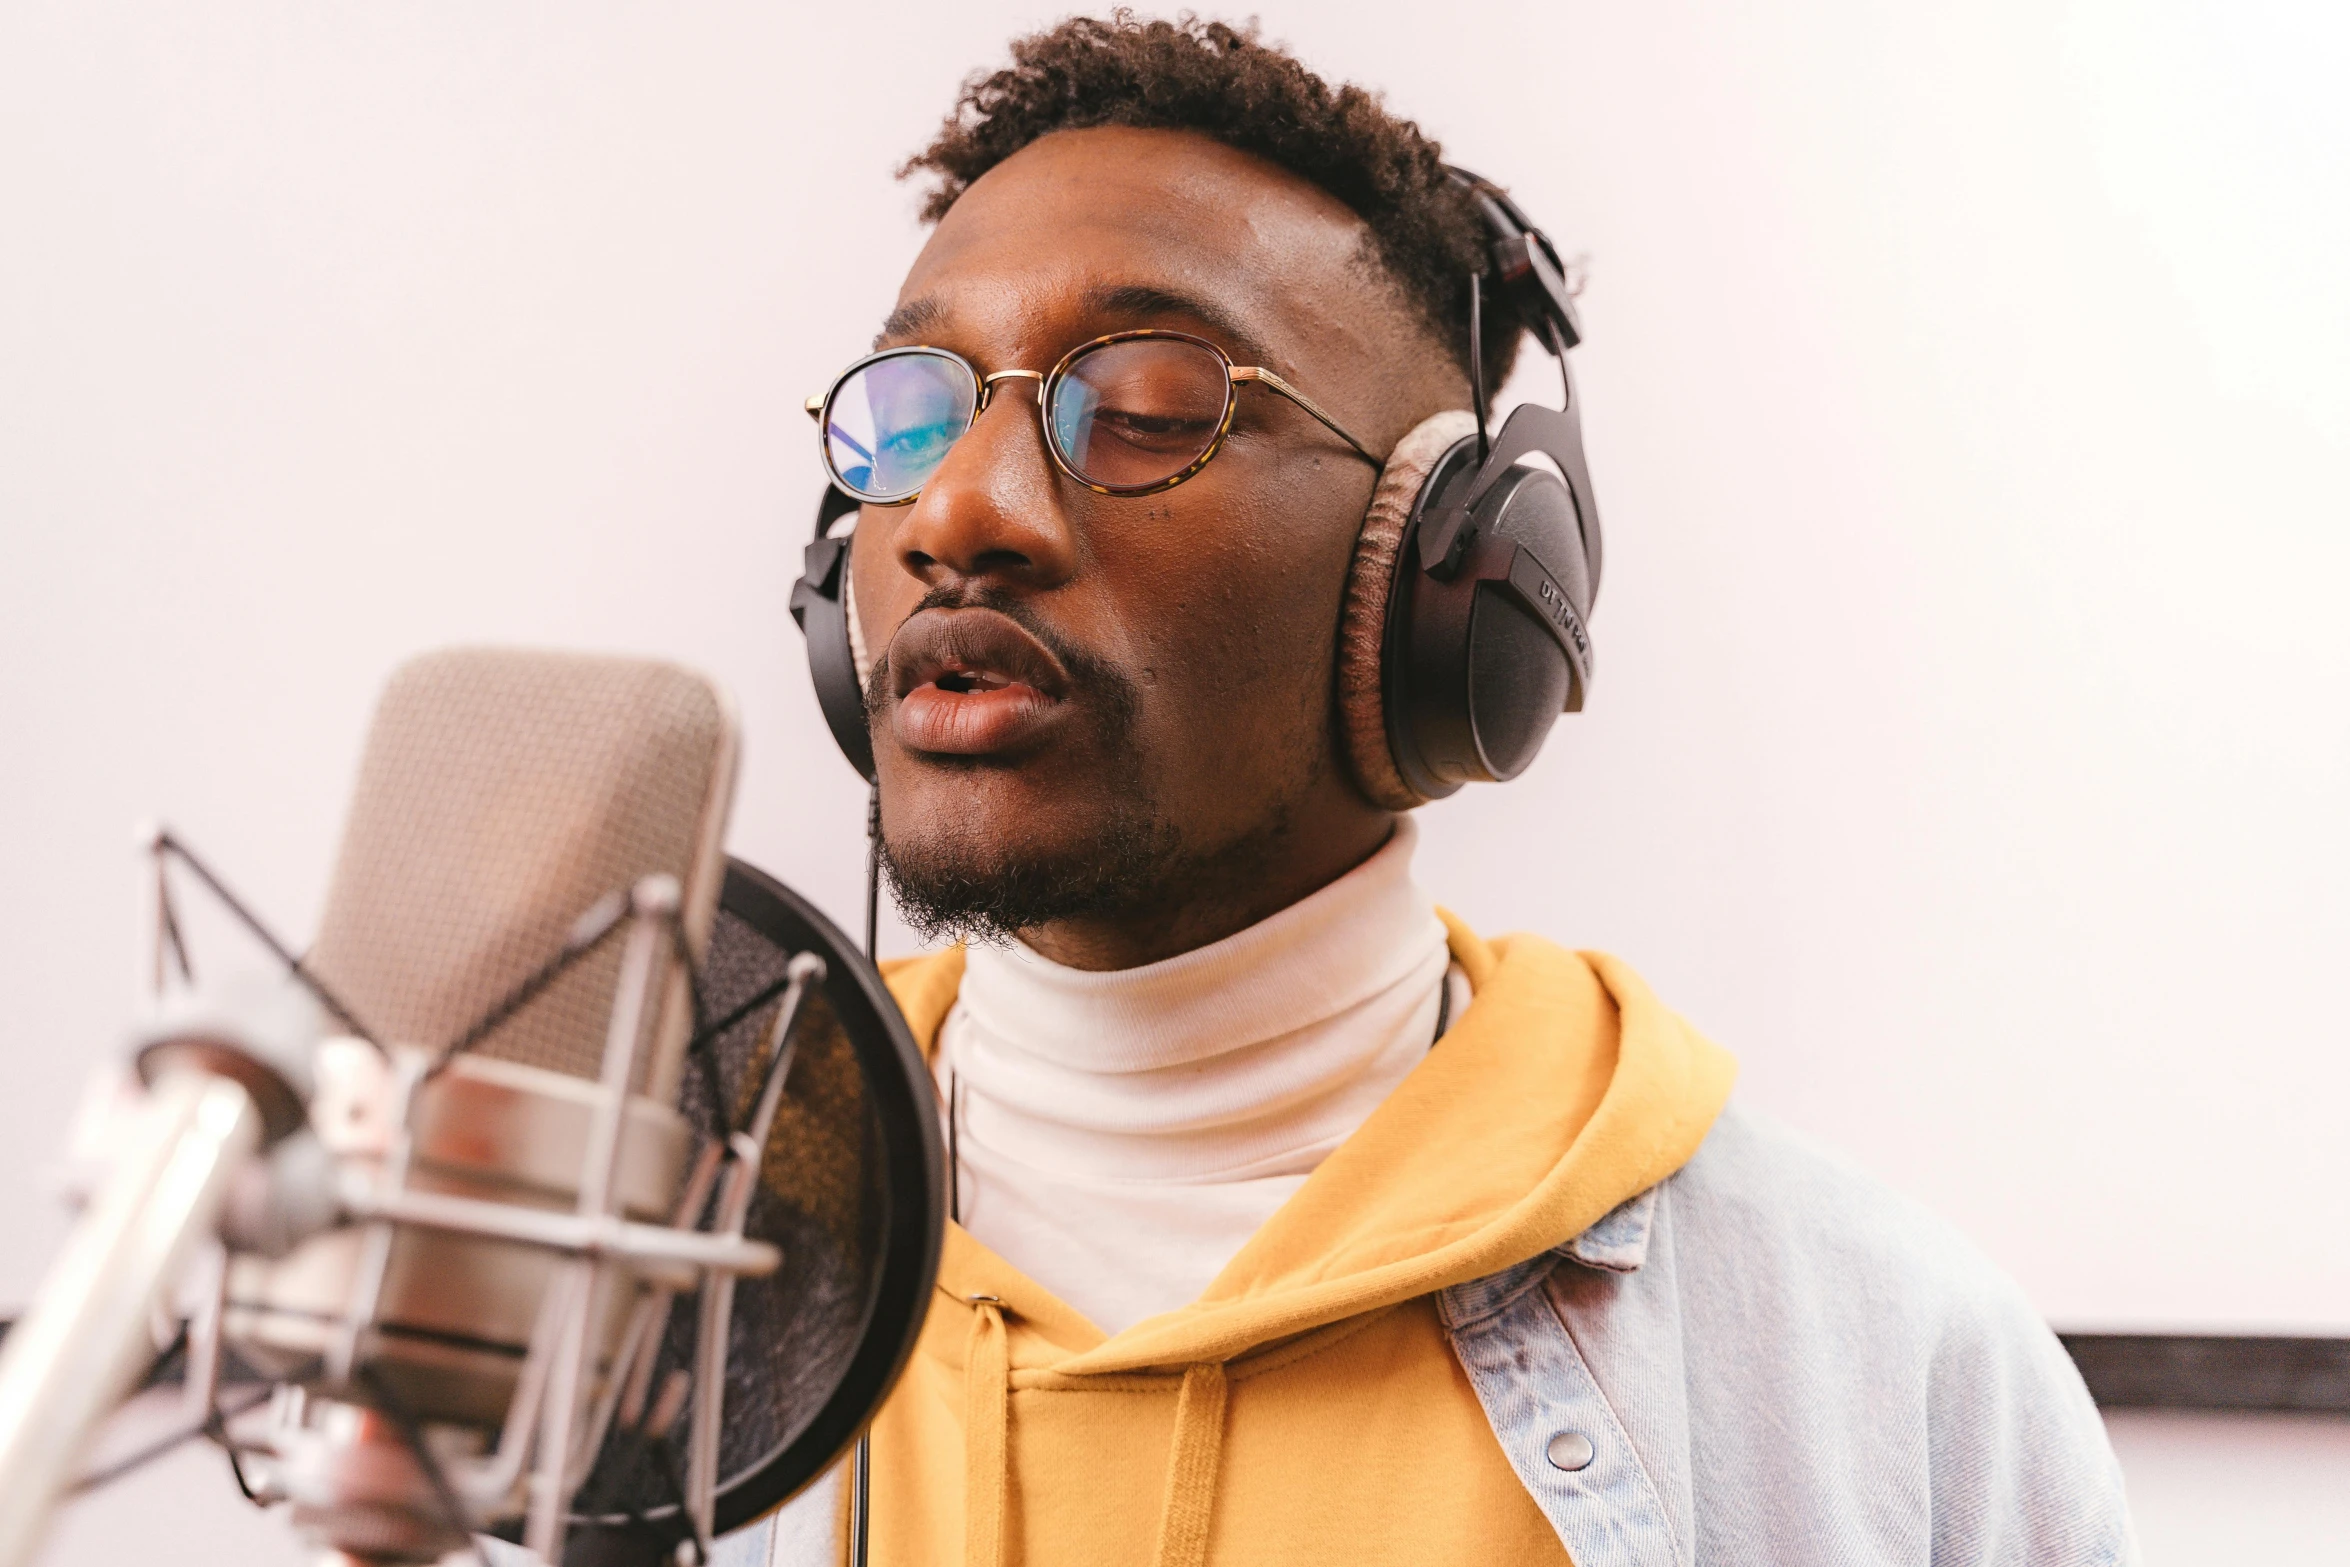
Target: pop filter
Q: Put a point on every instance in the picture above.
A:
(851, 1189)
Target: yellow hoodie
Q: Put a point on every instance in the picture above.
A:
(1307, 1407)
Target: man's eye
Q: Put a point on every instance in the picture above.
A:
(1142, 428)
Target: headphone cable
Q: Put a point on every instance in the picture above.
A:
(861, 1483)
(1477, 362)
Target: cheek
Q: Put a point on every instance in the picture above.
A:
(1229, 601)
(884, 595)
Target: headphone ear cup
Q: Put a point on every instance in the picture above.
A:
(823, 602)
(1363, 685)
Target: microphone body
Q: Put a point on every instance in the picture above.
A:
(503, 1166)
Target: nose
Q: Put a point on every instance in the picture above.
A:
(994, 510)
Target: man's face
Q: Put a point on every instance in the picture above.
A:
(1107, 722)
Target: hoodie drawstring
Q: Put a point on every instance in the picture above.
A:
(1191, 1471)
(987, 1433)
(1198, 1450)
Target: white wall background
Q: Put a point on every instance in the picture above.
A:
(1969, 397)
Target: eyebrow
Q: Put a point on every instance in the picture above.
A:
(910, 321)
(1138, 299)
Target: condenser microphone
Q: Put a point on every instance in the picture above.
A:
(510, 806)
(579, 1185)
(484, 1157)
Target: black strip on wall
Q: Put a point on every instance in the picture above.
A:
(2123, 1370)
(2212, 1371)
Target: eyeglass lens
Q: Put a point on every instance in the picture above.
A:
(1135, 413)
(891, 420)
(1125, 415)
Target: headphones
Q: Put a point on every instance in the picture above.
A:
(1464, 631)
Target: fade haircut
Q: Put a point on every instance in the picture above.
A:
(1227, 83)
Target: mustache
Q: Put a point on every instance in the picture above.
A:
(1099, 682)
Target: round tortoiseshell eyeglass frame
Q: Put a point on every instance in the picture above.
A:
(1049, 384)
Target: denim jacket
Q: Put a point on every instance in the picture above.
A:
(1768, 1358)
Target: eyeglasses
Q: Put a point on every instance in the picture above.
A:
(1133, 413)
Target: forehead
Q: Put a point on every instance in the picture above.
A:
(1062, 239)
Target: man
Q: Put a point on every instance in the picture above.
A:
(1299, 1224)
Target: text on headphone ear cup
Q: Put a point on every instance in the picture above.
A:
(1479, 663)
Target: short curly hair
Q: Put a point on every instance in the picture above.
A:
(1225, 82)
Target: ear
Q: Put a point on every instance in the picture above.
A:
(1362, 623)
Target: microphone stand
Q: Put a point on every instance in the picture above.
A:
(75, 1353)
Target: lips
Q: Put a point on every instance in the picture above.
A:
(971, 682)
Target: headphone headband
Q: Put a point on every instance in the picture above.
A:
(1525, 263)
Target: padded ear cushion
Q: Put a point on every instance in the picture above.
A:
(859, 659)
(1362, 622)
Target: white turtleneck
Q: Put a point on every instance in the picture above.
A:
(1122, 1134)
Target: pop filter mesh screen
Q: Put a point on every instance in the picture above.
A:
(814, 1345)
(819, 1199)
(502, 793)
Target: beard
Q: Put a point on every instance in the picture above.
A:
(1133, 863)
(963, 892)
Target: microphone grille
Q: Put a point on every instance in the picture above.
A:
(501, 793)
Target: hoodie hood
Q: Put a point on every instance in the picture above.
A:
(1022, 1432)
(1564, 1089)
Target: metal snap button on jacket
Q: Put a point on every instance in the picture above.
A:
(1569, 1450)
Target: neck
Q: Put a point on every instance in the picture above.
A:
(1121, 1135)
(1224, 891)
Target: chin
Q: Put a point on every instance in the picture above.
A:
(980, 850)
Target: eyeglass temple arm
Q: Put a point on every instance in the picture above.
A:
(1266, 377)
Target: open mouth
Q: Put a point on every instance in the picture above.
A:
(970, 682)
(962, 682)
